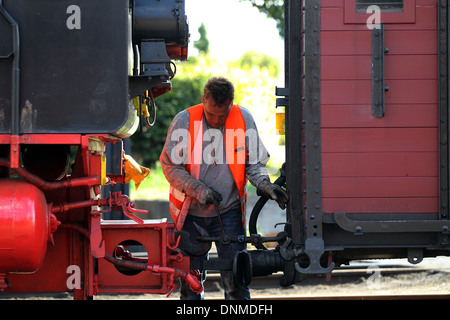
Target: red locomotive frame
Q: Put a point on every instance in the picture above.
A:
(79, 236)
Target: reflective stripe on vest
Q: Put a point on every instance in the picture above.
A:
(236, 157)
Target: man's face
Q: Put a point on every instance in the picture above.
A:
(216, 115)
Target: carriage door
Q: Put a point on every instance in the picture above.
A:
(380, 102)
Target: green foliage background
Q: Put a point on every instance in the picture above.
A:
(146, 145)
(254, 76)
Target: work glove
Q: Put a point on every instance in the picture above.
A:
(274, 192)
(204, 194)
(210, 195)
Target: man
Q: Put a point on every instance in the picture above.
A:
(211, 150)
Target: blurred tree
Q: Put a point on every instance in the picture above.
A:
(273, 9)
(252, 59)
(186, 91)
(202, 44)
(254, 76)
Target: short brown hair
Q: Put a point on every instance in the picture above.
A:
(220, 89)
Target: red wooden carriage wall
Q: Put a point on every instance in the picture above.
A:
(386, 164)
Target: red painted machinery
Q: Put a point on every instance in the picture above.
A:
(69, 89)
(50, 227)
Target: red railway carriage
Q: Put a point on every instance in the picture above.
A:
(371, 89)
(367, 169)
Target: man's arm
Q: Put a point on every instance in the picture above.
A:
(257, 158)
(257, 154)
(174, 158)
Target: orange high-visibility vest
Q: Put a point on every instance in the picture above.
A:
(236, 157)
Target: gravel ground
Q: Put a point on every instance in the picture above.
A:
(431, 276)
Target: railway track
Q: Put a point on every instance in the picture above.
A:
(399, 280)
(358, 297)
(364, 280)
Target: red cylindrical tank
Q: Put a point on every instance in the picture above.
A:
(24, 226)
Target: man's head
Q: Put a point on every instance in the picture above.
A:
(218, 96)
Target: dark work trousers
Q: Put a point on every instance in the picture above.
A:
(232, 222)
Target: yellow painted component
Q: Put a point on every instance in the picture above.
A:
(103, 171)
(145, 111)
(280, 123)
(136, 103)
(144, 107)
(133, 171)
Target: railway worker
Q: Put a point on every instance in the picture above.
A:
(211, 150)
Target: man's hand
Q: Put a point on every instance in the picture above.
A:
(210, 195)
(204, 194)
(274, 192)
